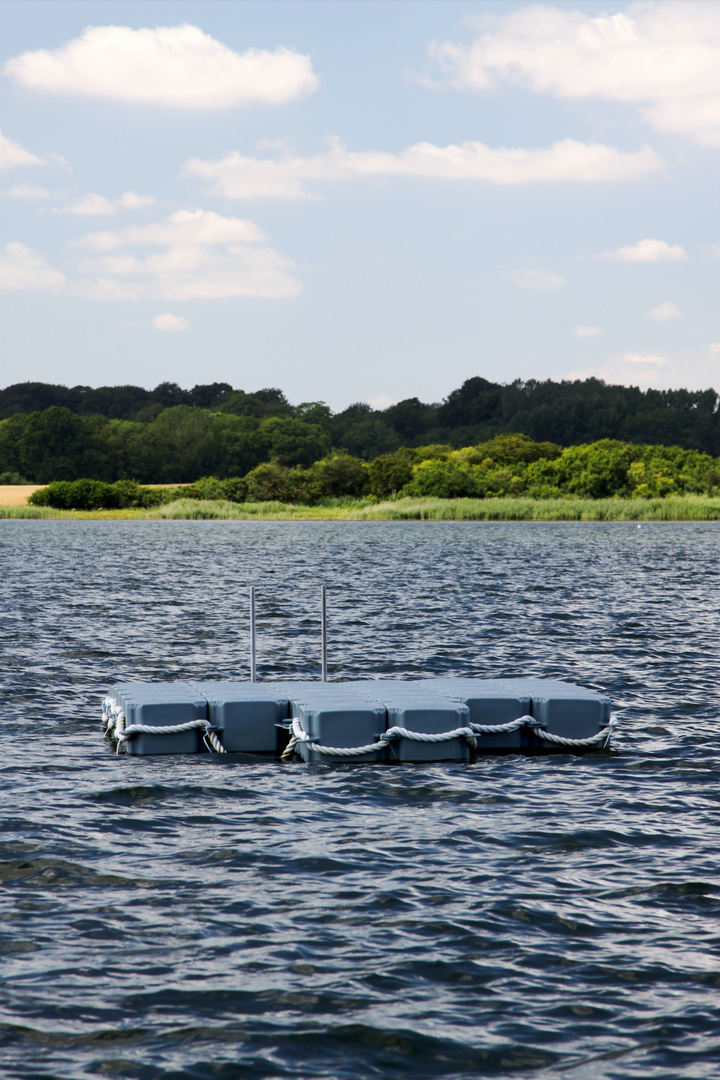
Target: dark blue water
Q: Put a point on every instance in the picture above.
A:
(206, 918)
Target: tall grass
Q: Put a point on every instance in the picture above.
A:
(678, 508)
(28, 512)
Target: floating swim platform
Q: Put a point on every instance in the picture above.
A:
(371, 720)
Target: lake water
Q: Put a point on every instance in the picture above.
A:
(216, 919)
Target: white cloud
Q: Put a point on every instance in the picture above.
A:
(663, 57)
(239, 177)
(664, 312)
(204, 256)
(542, 280)
(693, 369)
(170, 323)
(97, 204)
(186, 227)
(26, 191)
(714, 347)
(21, 268)
(648, 251)
(12, 153)
(130, 200)
(89, 205)
(191, 273)
(176, 66)
(381, 401)
(587, 331)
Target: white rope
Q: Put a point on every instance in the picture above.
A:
(213, 743)
(604, 733)
(498, 729)
(113, 718)
(437, 737)
(164, 729)
(298, 735)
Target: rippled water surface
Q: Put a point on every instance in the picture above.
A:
(207, 918)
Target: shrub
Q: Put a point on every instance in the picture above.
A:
(441, 480)
(75, 495)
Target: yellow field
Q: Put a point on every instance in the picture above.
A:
(16, 494)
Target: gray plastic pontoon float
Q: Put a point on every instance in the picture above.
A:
(372, 720)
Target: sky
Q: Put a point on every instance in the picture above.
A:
(359, 200)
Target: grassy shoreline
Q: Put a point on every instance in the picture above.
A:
(677, 508)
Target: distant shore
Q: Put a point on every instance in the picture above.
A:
(671, 508)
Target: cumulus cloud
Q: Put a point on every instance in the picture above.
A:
(26, 191)
(648, 251)
(381, 401)
(694, 369)
(587, 331)
(664, 312)
(12, 153)
(89, 205)
(170, 323)
(714, 347)
(185, 227)
(130, 200)
(662, 57)
(542, 280)
(191, 273)
(238, 177)
(21, 268)
(173, 66)
(92, 204)
(204, 256)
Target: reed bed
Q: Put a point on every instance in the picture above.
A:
(28, 512)
(685, 508)
(679, 508)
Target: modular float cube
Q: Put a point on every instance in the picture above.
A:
(492, 703)
(427, 714)
(162, 705)
(246, 715)
(332, 720)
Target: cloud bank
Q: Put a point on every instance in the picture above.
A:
(662, 57)
(170, 66)
(239, 177)
(201, 256)
(695, 369)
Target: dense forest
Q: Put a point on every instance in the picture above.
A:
(168, 434)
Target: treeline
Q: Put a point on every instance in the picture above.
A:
(170, 435)
(508, 465)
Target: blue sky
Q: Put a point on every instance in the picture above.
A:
(359, 200)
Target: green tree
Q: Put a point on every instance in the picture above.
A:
(388, 473)
(293, 442)
(51, 445)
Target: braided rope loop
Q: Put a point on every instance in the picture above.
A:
(592, 740)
